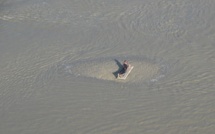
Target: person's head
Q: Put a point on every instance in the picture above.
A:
(125, 61)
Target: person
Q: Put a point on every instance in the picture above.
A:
(125, 67)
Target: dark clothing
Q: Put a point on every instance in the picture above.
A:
(125, 66)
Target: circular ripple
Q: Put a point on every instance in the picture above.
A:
(107, 68)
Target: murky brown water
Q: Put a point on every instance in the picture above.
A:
(58, 60)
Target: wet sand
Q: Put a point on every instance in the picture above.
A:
(58, 60)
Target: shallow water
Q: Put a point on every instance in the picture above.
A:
(58, 61)
(106, 68)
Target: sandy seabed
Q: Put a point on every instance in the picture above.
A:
(58, 61)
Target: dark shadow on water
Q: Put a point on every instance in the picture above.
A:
(120, 69)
